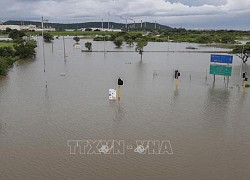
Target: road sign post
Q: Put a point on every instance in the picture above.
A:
(222, 59)
(221, 70)
(245, 79)
(221, 65)
(119, 92)
(177, 74)
(112, 94)
(120, 83)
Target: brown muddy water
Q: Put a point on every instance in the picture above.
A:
(207, 124)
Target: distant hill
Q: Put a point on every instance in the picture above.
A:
(113, 25)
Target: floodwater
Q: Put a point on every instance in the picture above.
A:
(206, 123)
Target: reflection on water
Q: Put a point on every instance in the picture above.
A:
(207, 124)
(176, 93)
(217, 104)
(118, 111)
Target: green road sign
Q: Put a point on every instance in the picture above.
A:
(221, 70)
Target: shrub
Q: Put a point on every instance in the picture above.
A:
(118, 41)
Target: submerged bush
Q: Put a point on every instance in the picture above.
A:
(3, 67)
(6, 51)
(6, 63)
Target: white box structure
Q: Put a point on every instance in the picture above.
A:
(112, 94)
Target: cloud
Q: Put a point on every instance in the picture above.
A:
(177, 13)
(200, 2)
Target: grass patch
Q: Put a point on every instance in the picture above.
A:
(6, 44)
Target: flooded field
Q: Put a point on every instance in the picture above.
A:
(207, 123)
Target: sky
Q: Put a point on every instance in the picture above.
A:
(190, 14)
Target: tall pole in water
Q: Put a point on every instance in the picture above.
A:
(104, 48)
(177, 83)
(120, 83)
(168, 43)
(119, 92)
(64, 49)
(44, 62)
(244, 84)
(42, 27)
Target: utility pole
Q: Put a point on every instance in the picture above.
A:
(42, 27)
(168, 43)
(64, 49)
(44, 62)
(141, 23)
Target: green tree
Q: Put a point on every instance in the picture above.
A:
(140, 44)
(21, 50)
(26, 49)
(6, 63)
(88, 29)
(242, 51)
(3, 66)
(118, 41)
(130, 42)
(204, 38)
(7, 51)
(16, 35)
(88, 45)
(228, 39)
(102, 38)
(47, 37)
(8, 30)
(77, 39)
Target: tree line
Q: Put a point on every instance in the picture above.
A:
(23, 48)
